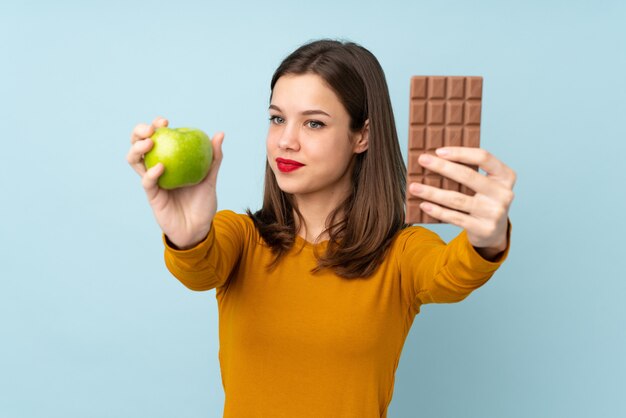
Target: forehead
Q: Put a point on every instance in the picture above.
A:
(304, 91)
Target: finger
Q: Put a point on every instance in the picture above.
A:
(448, 198)
(216, 143)
(150, 179)
(160, 122)
(136, 153)
(459, 173)
(479, 205)
(448, 215)
(481, 158)
(141, 131)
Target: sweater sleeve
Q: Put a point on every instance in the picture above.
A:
(209, 264)
(436, 272)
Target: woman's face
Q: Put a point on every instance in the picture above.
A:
(310, 147)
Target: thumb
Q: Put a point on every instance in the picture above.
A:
(150, 181)
(216, 143)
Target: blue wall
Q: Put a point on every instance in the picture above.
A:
(92, 324)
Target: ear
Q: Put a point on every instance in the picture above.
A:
(361, 138)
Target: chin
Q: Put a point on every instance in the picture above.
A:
(292, 185)
(289, 187)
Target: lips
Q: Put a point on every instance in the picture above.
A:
(286, 166)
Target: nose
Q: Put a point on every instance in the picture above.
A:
(289, 139)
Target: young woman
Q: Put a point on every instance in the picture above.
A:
(318, 289)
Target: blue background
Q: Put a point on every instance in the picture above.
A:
(92, 324)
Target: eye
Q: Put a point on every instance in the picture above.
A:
(315, 124)
(276, 120)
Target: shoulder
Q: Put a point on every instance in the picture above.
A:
(413, 241)
(233, 218)
(238, 224)
(415, 236)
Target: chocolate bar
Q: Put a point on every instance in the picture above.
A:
(444, 111)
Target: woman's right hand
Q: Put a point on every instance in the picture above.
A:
(184, 214)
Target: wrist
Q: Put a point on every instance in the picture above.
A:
(494, 252)
(186, 244)
(490, 253)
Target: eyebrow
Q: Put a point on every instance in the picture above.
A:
(306, 112)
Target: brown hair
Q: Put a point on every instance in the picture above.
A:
(363, 226)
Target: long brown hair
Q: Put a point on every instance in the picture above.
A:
(363, 226)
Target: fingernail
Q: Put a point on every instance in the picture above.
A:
(417, 188)
(443, 151)
(425, 159)
(426, 207)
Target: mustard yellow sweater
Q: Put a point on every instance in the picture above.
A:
(295, 344)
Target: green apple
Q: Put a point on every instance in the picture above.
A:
(186, 154)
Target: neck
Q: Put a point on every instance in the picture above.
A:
(315, 211)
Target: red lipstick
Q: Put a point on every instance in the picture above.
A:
(286, 166)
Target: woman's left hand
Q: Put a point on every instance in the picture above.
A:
(485, 215)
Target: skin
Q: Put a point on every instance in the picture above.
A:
(309, 124)
(324, 143)
(184, 214)
(486, 213)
